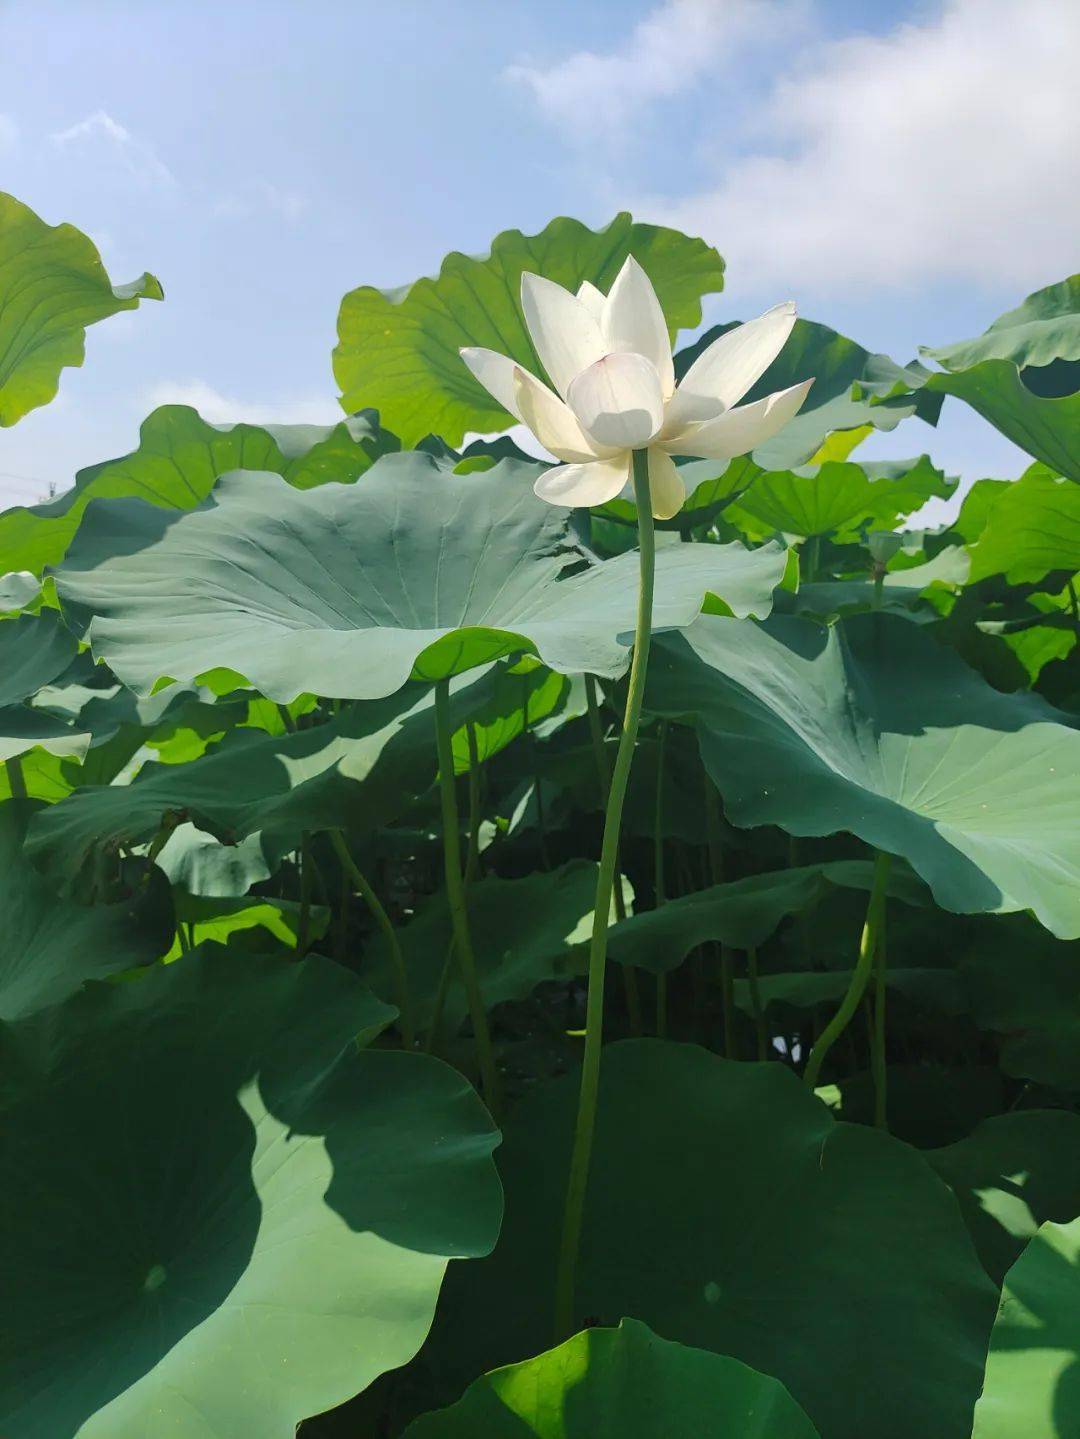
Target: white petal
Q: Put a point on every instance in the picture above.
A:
(593, 299)
(731, 365)
(619, 400)
(633, 321)
(566, 335)
(738, 431)
(496, 373)
(584, 485)
(551, 421)
(666, 489)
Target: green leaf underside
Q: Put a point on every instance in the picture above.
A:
(873, 728)
(1031, 528)
(347, 591)
(1032, 1383)
(179, 458)
(1045, 427)
(836, 496)
(52, 286)
(724, 1256)
(249, 1239)
(838, 366)
(1044, 328)
(398, 349)
(623, 1383)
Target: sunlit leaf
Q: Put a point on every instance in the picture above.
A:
(623, 1383)
(52, 286)
(398, 349)
(347, 591)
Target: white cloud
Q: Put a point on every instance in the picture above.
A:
(219, 409)
(945, 150)
(589, 96)
(101, 131)
(261, 195)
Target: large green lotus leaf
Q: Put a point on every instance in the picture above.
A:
(623, 1383)
(398, 349)
(1032, 1386)
(852, 388)
(836, 496)
(219, 1215)
(1042, 330)
(513, 954)
(1035, 1006)
(50, 946)
(52, 286)
(1011, 1174)
(179, 458)
(1046, 427)
(727, 1209)
(1032, 527)
(347, 590)
(355, 772)
(874, 728)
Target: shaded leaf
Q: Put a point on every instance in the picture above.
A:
(250, 1238)
(723, 1255)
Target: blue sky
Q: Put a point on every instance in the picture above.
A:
(890, 166)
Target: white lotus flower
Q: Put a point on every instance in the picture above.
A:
(609, 358)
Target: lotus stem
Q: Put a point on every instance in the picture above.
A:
(584, 1128)
(472, 857)
(727, 989)
(455, 894)
(603, 773)
(306, 879)
(872, 930)
(659, 886)
(472, 866)
(877, 1035)
(382, 919)
(755, 1003)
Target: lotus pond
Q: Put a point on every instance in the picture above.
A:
(567, 947)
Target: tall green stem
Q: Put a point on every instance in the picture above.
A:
(603, 774)
(872, 930)
(877, 1036)
(382, 919)
(659, 884)
(594, 1016)
(755, 1003)
(455, 895)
